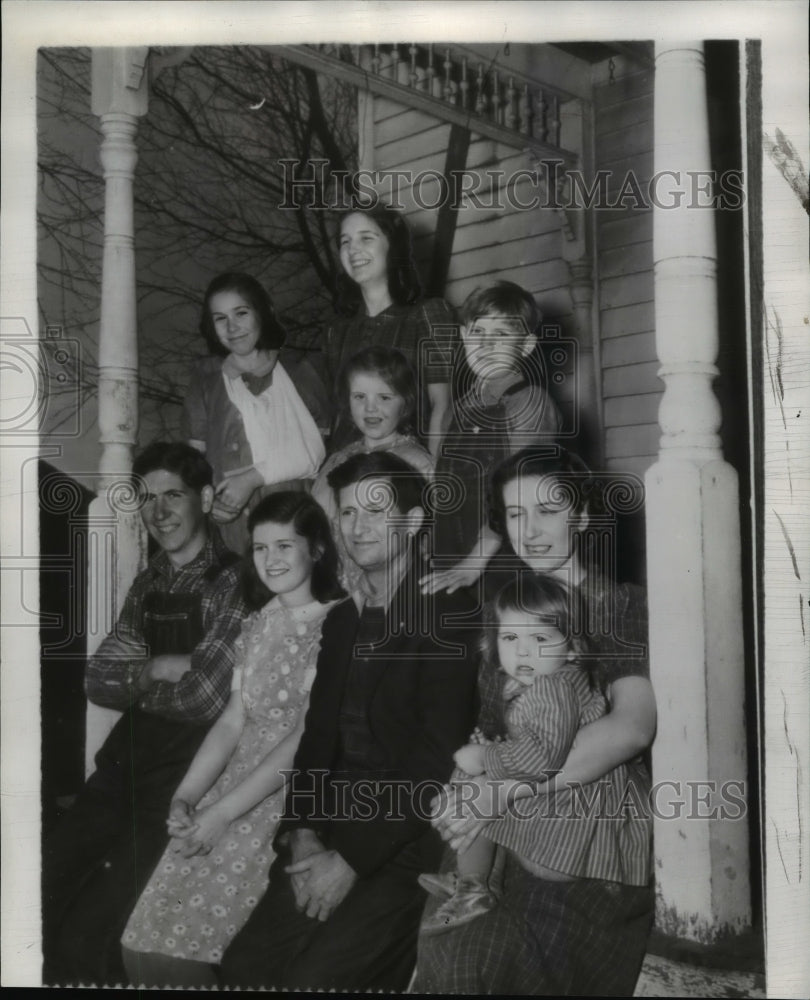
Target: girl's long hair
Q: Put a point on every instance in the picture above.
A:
(308, 520)
(403, 279)
(272, 334)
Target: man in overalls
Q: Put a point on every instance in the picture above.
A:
(167, 667)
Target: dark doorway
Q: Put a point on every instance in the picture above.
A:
(63, 506)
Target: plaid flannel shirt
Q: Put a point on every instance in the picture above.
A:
(201, 694)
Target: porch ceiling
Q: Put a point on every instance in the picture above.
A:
(595, 52)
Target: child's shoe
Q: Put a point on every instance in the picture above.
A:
(471, 899)
(439, 884)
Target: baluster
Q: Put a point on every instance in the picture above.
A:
(509, 116)
(413, 77)
(364, 57)
(525, 111)
(436, 85)
(554, 123)
(465, 86)
(375, 61)
(394, 62)
(496, 98)
(402, 72)
(542, 116)
(449, 94)
(480, 99)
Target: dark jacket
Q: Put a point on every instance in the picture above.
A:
(422, 709)
(210, 416)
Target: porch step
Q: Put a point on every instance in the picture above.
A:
(665, 977)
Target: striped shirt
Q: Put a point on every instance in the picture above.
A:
(542, 722)
(200, 695)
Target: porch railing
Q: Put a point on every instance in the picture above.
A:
(450, 85)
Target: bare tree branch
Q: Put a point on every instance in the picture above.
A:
(207, 191)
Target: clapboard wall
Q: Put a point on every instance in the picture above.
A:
(524, 245)
(501, 241)
(494, 238)
(631, 389)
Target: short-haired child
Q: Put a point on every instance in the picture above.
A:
(500, 405)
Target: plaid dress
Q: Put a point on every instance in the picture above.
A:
(425, 332)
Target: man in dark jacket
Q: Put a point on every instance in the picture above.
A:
(167, 667)
(394, 697)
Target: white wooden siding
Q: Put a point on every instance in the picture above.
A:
(491, 243)
(631, 389)
(525, 246)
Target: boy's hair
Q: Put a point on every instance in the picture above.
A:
(394, 369)
(177, 457)
(503, 298)
(559, 464)
(408, 486)
(308, 520)
(541, 595)
(403, 280)
(271, 333)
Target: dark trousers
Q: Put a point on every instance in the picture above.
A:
(368, 943)
(99, 857)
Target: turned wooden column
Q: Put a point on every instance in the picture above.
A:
(693, 550)
(116, 542)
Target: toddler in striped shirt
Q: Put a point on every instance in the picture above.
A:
(547, 697)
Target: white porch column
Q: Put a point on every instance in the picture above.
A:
(116, 543)
(693, 546)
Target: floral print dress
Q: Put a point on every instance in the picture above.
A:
(192, 908)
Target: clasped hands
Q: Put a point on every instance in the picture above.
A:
(233, 493)
(321, 879)
(197, 831)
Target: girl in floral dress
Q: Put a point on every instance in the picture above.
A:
(223, 815)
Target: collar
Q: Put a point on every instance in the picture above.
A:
(212, 553)
(511, 688)
(399, 573)
(393, 311)
(396, 572)
(267, 362)
(493, 390)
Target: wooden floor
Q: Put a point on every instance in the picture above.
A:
(664, 977)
